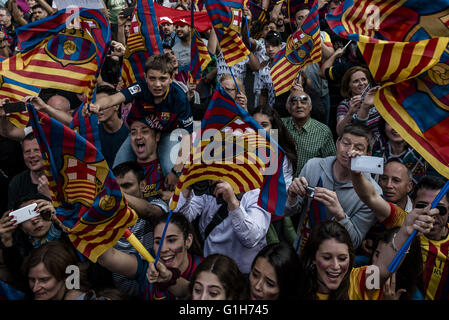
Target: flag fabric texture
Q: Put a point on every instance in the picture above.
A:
(164, 14)
(9, 293)
(15, 91)
(406, 48)
(83, 189)
(227, 18)
(199, 58)
(235, 148)
(143, 41)
(302, 48)
(63, 51)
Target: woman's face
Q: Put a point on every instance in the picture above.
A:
(44, 285)
(207, 286)
(263, 281)
(229, 86)
(392, 135)
(358, 83)
(174, 248)
(332, 263)
(263, 120)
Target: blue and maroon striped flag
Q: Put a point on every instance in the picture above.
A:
(199, 58)
(302, 48)
(143, 41)
(227, 17)
(244, 155)
(406, 48)
(62, 51)
(83, 189)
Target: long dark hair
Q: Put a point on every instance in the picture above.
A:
(285, 262)
(227, 272)
(285, 139)
(186, 228)
(323, 231)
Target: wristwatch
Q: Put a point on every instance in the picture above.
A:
(178, 174)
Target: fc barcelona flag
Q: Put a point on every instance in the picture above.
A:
(14, 91)
(406, 47)
(84, 190)
(227, 18)
(199, 58)
(143, 41)
(302, 48)
(63, 51)
(235, 148)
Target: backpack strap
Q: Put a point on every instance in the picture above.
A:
(219, 216)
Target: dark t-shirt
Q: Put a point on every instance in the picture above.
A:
(19, 187)
(111, 142)
(173, 112)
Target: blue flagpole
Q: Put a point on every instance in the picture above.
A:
(160, 243)
(400, 255)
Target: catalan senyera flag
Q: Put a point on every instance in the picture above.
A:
(302, 48)
(406, 48)
(87, 197)
(227, 17)
(199, 58)
(15, 91)
(235, 148)
(143, 41)
(62, 51)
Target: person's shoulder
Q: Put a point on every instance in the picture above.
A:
(21, 176)
(319, 126)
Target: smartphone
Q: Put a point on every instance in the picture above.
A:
(25, 213)
(368, 164)
(127, 12)
(365, 91)
(14, 107)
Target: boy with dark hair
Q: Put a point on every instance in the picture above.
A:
(156, 96)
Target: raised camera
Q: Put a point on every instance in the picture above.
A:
(310, 192)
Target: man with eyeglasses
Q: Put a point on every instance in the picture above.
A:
(434, 244)
(312, 138)
(324, 190)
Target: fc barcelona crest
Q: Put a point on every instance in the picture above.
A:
(71, 47)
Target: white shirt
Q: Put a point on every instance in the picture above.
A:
(240, 236)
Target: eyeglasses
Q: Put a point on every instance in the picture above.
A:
(302, 99)
(441, 208)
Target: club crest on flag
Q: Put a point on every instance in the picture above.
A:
(70, 41)
(107, 202)
(236, 23)
(81, 181)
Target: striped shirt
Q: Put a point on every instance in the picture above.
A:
(373, 117)
(313, 140)
(154, 179)
(435, 258)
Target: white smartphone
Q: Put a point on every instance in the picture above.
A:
(25, 213)
(368, 164)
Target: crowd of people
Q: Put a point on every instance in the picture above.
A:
(340, 227)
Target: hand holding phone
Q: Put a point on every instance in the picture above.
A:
(368, 164)
(25, 213)
(13, 107)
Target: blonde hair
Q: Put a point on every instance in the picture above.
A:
(240, 85)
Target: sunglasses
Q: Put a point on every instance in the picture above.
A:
(302, 99)
(441, 208)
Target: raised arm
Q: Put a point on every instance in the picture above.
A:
(418, 219)
(119, 262)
